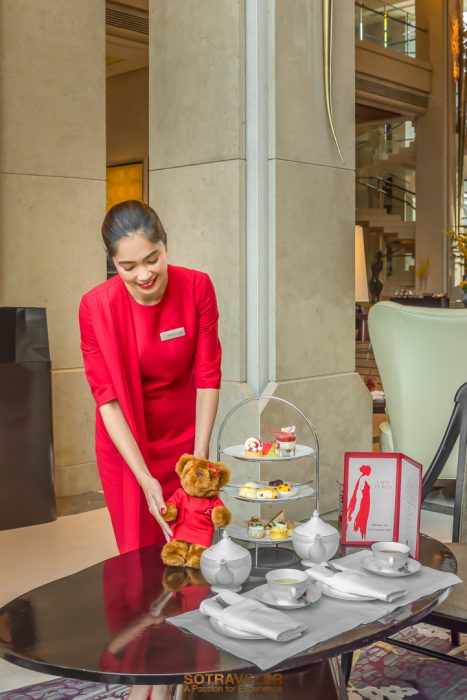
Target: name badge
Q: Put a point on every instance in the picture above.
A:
(175, 333)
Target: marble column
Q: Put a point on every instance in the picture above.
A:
(247, 179)
(435, 151)
(52, 185)
(312, 215)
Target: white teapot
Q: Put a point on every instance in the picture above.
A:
(315, 541)
(226, 564)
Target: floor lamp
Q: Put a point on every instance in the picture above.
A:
(361, 285)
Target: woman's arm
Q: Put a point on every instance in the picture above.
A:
(207, 401)
(123, 439)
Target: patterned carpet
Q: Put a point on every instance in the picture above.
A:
(380, 672)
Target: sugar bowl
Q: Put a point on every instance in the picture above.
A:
(226, 564)
(315, 540)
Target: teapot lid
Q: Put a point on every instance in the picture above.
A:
(225, 549)
(315, 526)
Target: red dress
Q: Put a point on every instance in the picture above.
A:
(152, 359)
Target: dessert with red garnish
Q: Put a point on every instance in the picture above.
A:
(253, 447)
(286, 441)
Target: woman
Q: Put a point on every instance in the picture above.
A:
(361, 497)
(152, 359)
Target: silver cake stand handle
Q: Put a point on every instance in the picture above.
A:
(291, 405)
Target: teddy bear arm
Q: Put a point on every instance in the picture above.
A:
(171, 513)
(221, 516)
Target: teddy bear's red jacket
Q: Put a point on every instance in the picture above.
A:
(194, 522)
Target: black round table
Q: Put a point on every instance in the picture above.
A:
(107, 624)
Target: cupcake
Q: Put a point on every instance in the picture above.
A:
(280, 531)
(256, 531)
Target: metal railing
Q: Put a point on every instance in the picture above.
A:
(377, 192)
(383, 141)
(388, 26)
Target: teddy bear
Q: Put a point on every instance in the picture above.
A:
(194, 510)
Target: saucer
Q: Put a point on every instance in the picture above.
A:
(230, 632)
(411, 567)
(312, 594)
(340, 595)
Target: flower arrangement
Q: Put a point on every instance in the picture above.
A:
(422, 270)
(459, 245)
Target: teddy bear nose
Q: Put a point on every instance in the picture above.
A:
(199, 474)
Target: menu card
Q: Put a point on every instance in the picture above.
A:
(382, 499)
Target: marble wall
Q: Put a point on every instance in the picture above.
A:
(197, 150)
(52, 189)
(127, 107)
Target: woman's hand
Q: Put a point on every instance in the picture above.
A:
(156, 504)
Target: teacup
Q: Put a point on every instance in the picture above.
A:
(390, 555)
(287, 584)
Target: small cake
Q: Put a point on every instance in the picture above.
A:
(249, 490)
(283, 488)
(266, 493)
(256, 530)
(253, 447)
(280, 516)
(286, 441)
(269, 449)
(276, 483)
(280, 531)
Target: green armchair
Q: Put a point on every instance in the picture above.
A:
(421, 355)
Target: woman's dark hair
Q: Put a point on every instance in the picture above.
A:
(128, 219)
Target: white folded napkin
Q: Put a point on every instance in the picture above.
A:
(249, 615)
(357, 582)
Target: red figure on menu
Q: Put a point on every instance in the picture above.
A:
(362, 489)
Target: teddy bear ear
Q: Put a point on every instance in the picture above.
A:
(224, 473)
(182, 462)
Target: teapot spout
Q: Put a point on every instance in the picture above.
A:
(223, 575)
(317, 551)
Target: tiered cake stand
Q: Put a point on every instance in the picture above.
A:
(267, 552)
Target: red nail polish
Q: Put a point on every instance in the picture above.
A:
(163, 510)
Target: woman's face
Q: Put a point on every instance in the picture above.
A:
(142, 265)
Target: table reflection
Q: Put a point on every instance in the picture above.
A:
(139, 593)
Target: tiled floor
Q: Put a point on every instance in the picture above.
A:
(32, 556)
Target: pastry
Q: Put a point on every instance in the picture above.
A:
(247, 492)
(256, 530)
(253, 521)
(253, 447)
(266, 493)
(269, 449)
(283, 488)
(280, 516)
(276, 482)
(290, 526)
(280, 531)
